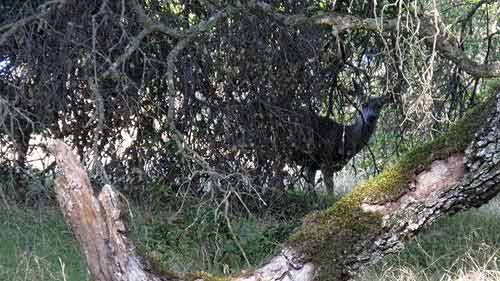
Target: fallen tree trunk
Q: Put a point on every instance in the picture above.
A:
(456, 172)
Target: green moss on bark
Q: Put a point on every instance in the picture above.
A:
(327, 237)
(204, 276)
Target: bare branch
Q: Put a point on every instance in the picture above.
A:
(444, 44)
(9, 29)
(151, 27)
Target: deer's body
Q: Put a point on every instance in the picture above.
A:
(334, 144)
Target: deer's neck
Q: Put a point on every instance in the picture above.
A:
(362, 130)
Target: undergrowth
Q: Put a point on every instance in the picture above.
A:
(36, 245)
(200, 239)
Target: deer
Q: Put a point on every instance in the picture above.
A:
(332, 145)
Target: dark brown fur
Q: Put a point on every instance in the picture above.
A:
(332, 145)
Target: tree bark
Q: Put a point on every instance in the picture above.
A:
(455, 172)
(96, 223)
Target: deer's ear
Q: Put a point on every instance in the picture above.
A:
(357, 87)
(389, 99)
(381, 101)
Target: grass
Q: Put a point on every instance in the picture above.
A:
(203, 242)
(463, 247)
(36, 245)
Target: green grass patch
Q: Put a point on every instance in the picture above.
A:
(36, 245)
(200, 240)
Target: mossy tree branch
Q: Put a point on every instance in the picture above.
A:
(456, 172)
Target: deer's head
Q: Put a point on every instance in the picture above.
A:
(371, 109)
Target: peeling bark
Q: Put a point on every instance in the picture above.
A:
(441, 174)
(283, 267)
(332, 245)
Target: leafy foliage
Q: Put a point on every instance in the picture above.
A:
(211, 95)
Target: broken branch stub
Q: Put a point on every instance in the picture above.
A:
(96, 223)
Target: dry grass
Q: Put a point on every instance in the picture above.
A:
(36, 245)
(465, 247)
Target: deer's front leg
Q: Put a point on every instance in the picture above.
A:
(328, 179)
(310, 175)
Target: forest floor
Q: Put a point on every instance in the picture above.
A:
(36, 245)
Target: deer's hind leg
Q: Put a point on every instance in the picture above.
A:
(328, 180)
(310, 177)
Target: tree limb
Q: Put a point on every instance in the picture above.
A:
(96, 223)
(458, 171)
(427, 30)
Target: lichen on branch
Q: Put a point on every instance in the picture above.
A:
(336, 238)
